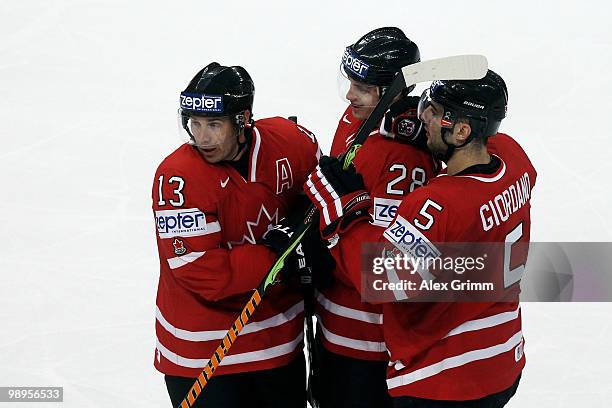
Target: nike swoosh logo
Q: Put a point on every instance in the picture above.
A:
(344, 119)
(224, 183)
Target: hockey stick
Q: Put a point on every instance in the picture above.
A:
(308, 294)
(456, 67)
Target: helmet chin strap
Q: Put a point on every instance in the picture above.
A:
(446, 156)
(240, 127)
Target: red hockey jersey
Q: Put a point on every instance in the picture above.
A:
(453, 350)
(208, 219)
(390, 170)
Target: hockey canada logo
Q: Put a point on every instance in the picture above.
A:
(447, 120)
(354, 64)
(405, 128)
(179, 247)
(201, 102)
(186, 222)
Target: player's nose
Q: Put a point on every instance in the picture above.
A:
(425, 115)
(350, 94)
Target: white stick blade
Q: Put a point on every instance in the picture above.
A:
(455, 67)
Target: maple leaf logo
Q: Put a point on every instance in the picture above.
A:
(264, 216)
(179, 247)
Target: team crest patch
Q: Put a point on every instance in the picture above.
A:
(179, 247)
(406, 128)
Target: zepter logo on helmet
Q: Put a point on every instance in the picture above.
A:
(368, 66)
(215, 91)
(353, 65)
(201, 103)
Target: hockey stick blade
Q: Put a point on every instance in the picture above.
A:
(455, 67)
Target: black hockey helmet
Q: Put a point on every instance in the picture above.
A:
(377, 56)
(482, 101)
(218, 90)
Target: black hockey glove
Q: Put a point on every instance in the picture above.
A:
(402, 124)
(310, 263)
(338, 194)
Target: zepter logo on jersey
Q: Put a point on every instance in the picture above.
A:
(188, 222)
(385, 209)
(408, 239)
(201, 102)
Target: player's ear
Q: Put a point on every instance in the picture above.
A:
(462, 132)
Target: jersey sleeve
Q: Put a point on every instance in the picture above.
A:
(415, 235)
(310, 151)
(189, 240)
(415, 231)
(348, 252)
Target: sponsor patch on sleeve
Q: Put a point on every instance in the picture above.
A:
(408, 239)
(186, 222)
(385, 210)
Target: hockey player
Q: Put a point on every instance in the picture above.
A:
(451, 354)
(213, 198)
(351, 351)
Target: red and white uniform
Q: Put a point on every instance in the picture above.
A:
(390, 170)
(457, 351)
(208, 218)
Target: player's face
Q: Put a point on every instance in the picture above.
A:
(363, 99)
(431, 118)
(215, 138)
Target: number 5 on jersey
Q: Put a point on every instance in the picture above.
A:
(426, 213)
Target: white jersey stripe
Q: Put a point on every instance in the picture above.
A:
(453, 362)
(251, 327)
(490, 179)
(363, 345)
(255, 154)
(179, 261)
(473, 325)
(485, 322)
(275, 320)
(367, 317)
(248, 357)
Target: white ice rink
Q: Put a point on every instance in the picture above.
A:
(88, 99)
